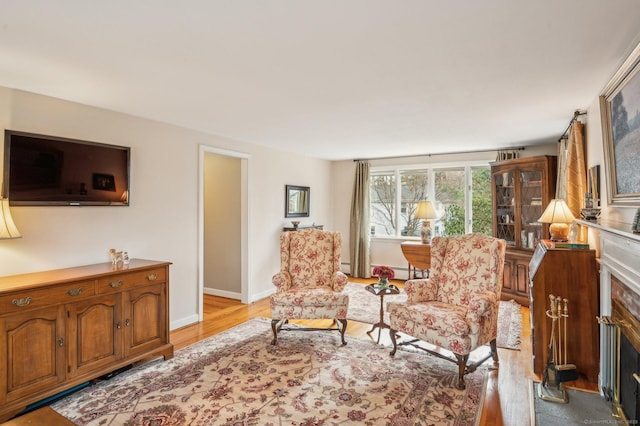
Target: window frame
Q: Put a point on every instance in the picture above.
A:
(430, 168)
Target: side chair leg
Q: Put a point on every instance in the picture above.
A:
(274, 327)
(392, 334)
(462, 367)
(343, 328)
(494, 351)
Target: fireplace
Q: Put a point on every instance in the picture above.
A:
(619, 319)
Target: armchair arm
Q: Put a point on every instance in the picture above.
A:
(481, 305)
(338, 281)
(420, 290)
(282, 281)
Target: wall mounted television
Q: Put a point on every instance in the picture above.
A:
(44, 170)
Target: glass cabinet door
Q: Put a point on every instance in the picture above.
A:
(505, 207)
(530, 208)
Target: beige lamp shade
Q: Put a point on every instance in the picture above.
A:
(426, 211)
(559, 216)
(7, 227)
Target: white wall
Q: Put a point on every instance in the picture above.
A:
(161, 222)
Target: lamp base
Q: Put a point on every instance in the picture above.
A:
(425, 232)
(559, 232)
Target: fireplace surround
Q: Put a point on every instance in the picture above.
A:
(619, 259)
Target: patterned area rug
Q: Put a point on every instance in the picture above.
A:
(365, 307)
(238, 378)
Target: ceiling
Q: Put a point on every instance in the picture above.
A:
(331, 79)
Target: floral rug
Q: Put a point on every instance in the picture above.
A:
(365, 307)
(238, 378)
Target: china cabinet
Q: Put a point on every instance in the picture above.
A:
(521, 189)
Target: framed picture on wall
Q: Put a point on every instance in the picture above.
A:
(620, 112)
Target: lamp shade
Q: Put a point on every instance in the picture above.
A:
(7, 227)
(557, 212)
(425, 210)
(559, 216)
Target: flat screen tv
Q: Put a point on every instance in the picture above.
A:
(44, 170)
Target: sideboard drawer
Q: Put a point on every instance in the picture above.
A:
(28, 299)
(132, 279)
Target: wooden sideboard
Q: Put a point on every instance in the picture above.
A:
(418, 256)
(62, 328)
(570, 274)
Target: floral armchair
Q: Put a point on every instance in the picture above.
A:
(456, 308)
(309, 284)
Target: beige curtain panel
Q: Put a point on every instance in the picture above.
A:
(359, 228)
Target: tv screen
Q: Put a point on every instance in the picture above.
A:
(47, 170)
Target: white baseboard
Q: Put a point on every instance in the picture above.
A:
(191, 319)
(221, 293)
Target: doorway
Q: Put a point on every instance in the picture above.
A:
(222, 227)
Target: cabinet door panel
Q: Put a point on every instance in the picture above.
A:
(95, 333)
(145, 325)
(522, 279)
(34, 343)
(507, 274)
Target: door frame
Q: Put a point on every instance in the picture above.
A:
(244, 221)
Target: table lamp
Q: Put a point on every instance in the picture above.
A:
(426, 212)
(7, 227)
(559, 216)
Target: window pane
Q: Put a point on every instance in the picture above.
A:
(449, 187)
(481, 201)
(383, 204)
(414, 189)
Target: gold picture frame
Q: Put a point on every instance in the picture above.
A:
(619, 102)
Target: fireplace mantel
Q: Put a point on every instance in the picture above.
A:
(619, 257)
(619, 254)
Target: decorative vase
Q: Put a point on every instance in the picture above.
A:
(383, 282)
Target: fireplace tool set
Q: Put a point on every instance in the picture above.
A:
(557, 370)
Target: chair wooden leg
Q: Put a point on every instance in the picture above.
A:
(494, 351)
(343, 328)
(392, 334)
(462, 367)
(274, 324)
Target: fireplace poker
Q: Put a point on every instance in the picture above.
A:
(565, 372)
(549, 374)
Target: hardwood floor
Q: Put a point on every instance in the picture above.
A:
(507, 400)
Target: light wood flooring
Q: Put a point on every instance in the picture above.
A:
(507, 400)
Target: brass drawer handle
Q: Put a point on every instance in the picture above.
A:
(115, 284)
(75, 292)
(22, 302)
(152, 277)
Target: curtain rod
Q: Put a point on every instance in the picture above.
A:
(576, 114)
(519, 148)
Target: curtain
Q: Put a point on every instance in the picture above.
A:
(572, 173)
(359, 228)
(561, 179)
(576, 169)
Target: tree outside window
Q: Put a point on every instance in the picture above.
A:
(395, 195)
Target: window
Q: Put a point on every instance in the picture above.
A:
(461, 194)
